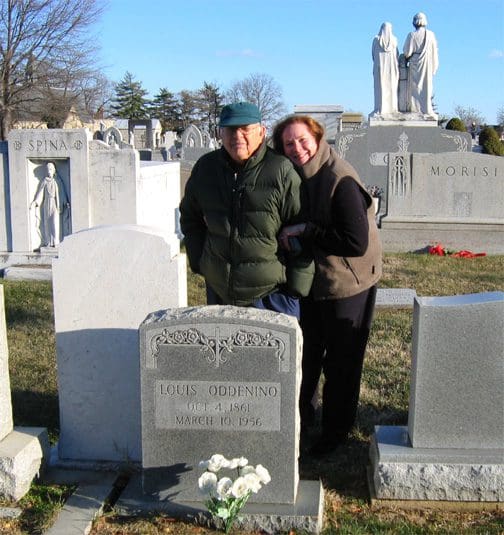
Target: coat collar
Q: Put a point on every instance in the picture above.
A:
(312, 167)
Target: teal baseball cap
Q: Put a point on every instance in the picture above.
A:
(239, 113)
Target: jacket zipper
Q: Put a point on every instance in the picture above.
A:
(232, 236)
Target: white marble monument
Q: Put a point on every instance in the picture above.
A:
(102, 185)
(105, 281)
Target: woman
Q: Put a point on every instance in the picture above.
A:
(336, 316)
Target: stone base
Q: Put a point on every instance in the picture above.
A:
(395, 298)
(23, 455)
(401, 472)
(28, 273)
(408, 236)
(305, 515)
(402, 119)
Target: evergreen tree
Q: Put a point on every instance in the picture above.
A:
(210, 102)
(188, 109)
(130, 101)
(165, 107)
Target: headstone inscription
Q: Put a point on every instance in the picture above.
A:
(105, 281)
(219, 380)
(453, 446)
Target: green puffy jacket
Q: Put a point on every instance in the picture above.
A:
(230, 220)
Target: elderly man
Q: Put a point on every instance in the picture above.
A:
(236, 201)
(421, 52)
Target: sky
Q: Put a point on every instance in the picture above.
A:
(318, 51)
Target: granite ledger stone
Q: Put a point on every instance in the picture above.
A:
(219, 380)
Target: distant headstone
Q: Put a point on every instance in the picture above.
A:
(105, 281)
(453, 447)
(219, 380)
(193, 146)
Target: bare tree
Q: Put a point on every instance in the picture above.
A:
(261, 90)
(43, 44)
(500, 116)
(469, 115)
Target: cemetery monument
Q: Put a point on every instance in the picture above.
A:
(222, 380)
(453, 446)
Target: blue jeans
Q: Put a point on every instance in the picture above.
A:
(277, 302)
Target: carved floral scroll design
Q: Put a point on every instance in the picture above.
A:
(216, 347)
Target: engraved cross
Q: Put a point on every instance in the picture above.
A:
(113, 179)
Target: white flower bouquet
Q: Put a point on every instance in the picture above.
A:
(224, 497)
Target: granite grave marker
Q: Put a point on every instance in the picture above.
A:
(219, 380)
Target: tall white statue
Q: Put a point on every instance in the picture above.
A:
(52, 199)
(385, 70)
(421, 52)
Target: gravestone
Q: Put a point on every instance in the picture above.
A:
(222, 379)
(219, 380)
(455, 198)
(24, 451)
(105, 185)
(453, 446)
(367, 149)
(105, 281)
(193, 144)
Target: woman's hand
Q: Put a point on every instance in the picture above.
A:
(289, 232)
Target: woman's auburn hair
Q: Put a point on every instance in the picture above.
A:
(316, 129)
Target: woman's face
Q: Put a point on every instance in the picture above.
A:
(299, 143)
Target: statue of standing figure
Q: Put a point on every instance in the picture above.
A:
(421, 53)
(52, 199)
(404, 83)
(385, 71)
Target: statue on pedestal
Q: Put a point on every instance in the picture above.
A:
(421, 53)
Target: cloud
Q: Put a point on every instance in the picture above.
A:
(496, 54)
(245, 53)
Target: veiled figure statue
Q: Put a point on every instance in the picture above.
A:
(421, 52)
(385, 70)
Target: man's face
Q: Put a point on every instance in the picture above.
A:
(241, 142)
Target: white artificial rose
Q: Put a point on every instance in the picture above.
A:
(248, 469)
(223, 486)
(216, 462)
(242, 461)
(240, 487)
(207, 483)
(233, 463)
(263, 474)
(253, 482)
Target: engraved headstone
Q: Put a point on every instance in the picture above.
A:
(219, 380)
(454, 198)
